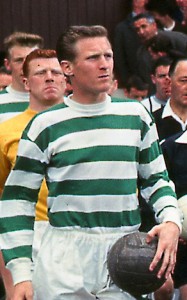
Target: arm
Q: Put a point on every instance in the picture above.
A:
(17, 210)
(156, 190)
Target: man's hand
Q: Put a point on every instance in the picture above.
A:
(23, 291)
(168, 236)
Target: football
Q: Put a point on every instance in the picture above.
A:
(128, 264)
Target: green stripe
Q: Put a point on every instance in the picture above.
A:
(17, 223)
(17, 192)
(83, 124)
(22, 251)
(146, 156)
(33, 165)
(153, 179)
(93, 187)
(95, 154)
(96, 219)
(13, 107)
(162, 192)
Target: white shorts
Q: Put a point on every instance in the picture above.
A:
(72, 265)
(39, 229)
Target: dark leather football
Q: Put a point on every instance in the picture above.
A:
(128, 264)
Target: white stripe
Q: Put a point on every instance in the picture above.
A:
(16, 239)
(110, 203)
(28, 180)
(30, 150)
(91, 138)
(16, 208)
(94, 170)
(150, 137)
(147, 192)
(154, 167)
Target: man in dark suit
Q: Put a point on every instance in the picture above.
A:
(126, 42)
(146, 28)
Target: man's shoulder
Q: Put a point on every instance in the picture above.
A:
(12, 123)
(174, 35)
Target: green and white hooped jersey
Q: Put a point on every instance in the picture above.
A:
(12, 103)
(91, 156)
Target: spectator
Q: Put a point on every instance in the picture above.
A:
(136, 88)
(172, 118)
(14, 99)
(161, 80)
(126, 42)
(161, 45)
(90, 149)
(146, 29)
(183, 6)
(164, 13)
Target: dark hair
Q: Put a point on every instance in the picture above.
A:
(163, 43)
(37, 53)
(22, 39)
(175, 63)
(161, 61)
(146, 16)
(163, 7)
(136, 82)
(65, 46)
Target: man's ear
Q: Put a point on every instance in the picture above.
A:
(153, 78)
(7, 64)
(26, 84)
(67, 67)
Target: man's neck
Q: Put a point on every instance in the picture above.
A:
(161, 97)
(180, 111)
(18, 87)
(89, 98)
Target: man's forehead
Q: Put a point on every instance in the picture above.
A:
(141, 22)
(90, 42)
(45, 62)
(21, 50)
(162, 69)
(181, 65)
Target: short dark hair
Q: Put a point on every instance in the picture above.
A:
(135, 81)
(23, 39)
(163, 7)
(65, 46)
(146, 16)
(161, 61)
(163, 43)
(37, 53)
(175, 63)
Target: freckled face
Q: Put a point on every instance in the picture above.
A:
(45, 81)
